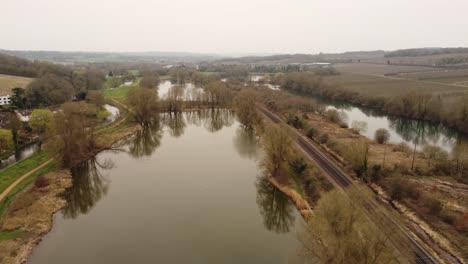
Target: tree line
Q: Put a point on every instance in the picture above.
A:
(413, 104)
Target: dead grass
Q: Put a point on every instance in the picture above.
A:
(31, 212)
(382, 86)
(380, 69)
(8, 82)
(453, 195)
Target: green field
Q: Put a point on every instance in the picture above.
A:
(8, 82)
(117, 93)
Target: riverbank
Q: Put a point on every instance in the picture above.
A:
(29, 210)
(30, 217)
(427, 203)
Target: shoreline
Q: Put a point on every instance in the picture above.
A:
(426, 231)
(19, 249)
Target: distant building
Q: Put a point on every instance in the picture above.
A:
(5, 99)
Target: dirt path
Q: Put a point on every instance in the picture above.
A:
(20, 179)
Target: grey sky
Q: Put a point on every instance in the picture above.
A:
(220, 26)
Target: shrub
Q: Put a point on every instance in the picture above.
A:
(402, 147)
(312, 132)
(375, 172)
(434, 205)
(462, 223)
(400, 189)
(41, 182)
(311, 190)
(298, 165)
(23, 201)
(448, 217)
(295, 121)
(343, 125)
(323, 138)
(382, 135)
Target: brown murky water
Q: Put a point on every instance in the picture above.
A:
(188, 190)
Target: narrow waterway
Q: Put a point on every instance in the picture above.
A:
(189, 90)
(185, 190)
(402, 130)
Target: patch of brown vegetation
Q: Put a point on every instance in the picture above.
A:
(301, 204)
(107, 139)
(441, 226)
(32, 212)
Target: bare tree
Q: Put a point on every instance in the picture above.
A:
(246, 108)
(277, 146)
(73, 137)
(341, 232)
(432, 152)
(143, 103)
(382, 136)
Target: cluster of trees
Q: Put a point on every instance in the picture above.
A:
(452, 60)
(53, 84)
(150, 79)
(72, 139)
(429, 107)
(11, 65)
(246, 108)
(424, 52)
(180, 75)
(144, 104)
(302, 82)
(416, 105)
(341, 232)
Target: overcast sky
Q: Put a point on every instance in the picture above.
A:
(237, 26)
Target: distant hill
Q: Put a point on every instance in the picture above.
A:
(424, 52)
(100, 57)
(304, 58)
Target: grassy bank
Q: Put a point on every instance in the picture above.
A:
(119, 93)
(24, 184)
(10, 174)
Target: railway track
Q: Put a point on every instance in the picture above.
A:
(376, 212)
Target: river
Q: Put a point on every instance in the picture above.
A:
(402, 130)
(186, 190)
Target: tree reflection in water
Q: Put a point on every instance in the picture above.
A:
(89, 186)
(215, 119)
(146, 140)
(211, 119)
(275, 207)
(245, 142)
(175, 122)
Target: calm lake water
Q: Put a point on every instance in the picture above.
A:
(190, 89)
(402, 130)
(186, 190)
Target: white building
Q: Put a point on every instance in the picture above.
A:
(5, 99)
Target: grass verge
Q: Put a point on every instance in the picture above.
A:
(25, 183)
(10, 174)
(10, 234)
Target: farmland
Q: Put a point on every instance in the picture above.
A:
(8, 82)
(389, 87)
(371, 80)
(428, 60)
